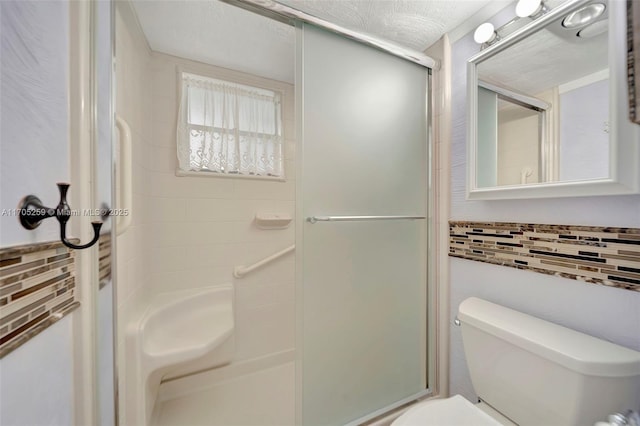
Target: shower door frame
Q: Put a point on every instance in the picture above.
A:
(83, 134)
(437, 314)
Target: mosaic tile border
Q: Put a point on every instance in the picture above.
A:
(633, 60)
(37, 289)
(104, 260)
(599, 255)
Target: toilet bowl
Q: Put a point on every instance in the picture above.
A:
(528, 371)
(451, 411)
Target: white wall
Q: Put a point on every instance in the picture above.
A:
(34, 153)
(36, 379)
(584, 132)
(608, 313)
(133, 90)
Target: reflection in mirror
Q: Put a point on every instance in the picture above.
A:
(543, 110)
(548, 110)
(511, 129)
(584, 113)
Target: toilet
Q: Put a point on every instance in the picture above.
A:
(527, 371)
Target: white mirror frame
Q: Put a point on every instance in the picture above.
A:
(624, 146)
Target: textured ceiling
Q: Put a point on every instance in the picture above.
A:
(544, 61)
(213, 32)
(412, 23)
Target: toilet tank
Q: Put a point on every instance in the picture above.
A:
(538, 373)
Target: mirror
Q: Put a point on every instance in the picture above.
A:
(547, 108)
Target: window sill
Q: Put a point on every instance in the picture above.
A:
(182, 173)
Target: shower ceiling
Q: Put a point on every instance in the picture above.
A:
(212, 32)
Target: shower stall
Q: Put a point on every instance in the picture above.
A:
(361, 170)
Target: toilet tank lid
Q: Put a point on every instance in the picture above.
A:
(574, 350)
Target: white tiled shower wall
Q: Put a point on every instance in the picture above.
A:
(133, 87)
(202, 227)
(608, 313)
(191, 232)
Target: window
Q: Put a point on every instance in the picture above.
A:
(229, 128)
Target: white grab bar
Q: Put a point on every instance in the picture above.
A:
(241, 271)
(124, 170)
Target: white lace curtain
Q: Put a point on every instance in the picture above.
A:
(229, 128)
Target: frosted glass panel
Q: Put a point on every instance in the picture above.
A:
(364, 128)
(363, 289)
(364, 328)
(487, 138)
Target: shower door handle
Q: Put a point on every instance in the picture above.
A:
(314, 219)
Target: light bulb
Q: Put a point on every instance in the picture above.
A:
(485, 33)
(526, 8)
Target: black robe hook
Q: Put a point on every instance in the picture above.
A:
(33, 212)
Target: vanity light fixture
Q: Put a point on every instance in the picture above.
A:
(584, 16)
(485, 33)
(531, 8)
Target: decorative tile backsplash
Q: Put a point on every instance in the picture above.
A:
(104, 259)
(37, 288)
(600, 255)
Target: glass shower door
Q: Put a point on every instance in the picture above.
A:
(362, 258)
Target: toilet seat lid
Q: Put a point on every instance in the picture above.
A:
(454, 411)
